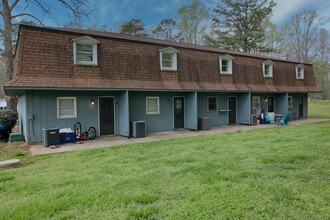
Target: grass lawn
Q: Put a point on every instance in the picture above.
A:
(319, 109)
(275, 173)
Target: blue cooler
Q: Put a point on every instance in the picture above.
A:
(67, 136)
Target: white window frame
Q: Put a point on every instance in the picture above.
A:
(290, 102)
(208, 104)
(74, 108)
(86, 40)
(230, 64)
(300, 67)
(270, 64)
(173, 52)
(253, 102)
(158, 106)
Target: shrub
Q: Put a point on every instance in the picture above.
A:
(8, 118)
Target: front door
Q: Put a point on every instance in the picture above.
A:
(106, 112)
(178, 112)
(232, 110)
(301, 107)
(270, 104)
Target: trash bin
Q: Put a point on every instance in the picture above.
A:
(204, 123)
(51, 136)
(138, 129)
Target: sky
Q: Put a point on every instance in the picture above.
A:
(151, 12)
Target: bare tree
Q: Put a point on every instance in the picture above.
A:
(302, 30)
(322, 64)
(274, 41)
(192, 22)
(12, 11)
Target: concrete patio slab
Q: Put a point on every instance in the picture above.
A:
(111, 141)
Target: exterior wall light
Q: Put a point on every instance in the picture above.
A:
(92, 102)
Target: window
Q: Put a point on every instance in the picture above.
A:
(267, 68)
(66, 107)
(256, 102)
(152, 105)
(212, 104)
(300, 71)
(289, 101)
(85, 51)
(226, 64)
(168, 59)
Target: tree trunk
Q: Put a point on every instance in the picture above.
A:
(8, 51)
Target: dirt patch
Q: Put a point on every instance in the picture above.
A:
(17, 146)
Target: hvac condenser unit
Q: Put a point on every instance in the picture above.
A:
(138, 129)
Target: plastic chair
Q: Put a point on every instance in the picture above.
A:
(268, 119)
(285, 120)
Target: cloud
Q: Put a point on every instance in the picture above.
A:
(285, 9)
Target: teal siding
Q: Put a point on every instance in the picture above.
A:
(244, 108)
(42, 108)
(122, 118)
(22, 115)
(38, 109)
(191, 111)
(165, 119)
(158, 122)
(295, 105)
(281, 103)
(217, 117)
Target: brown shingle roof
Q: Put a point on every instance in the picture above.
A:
(44, 60)
(157, 41)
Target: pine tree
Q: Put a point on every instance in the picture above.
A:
(238, 24)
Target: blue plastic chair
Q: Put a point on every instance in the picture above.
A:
(268, 120)
(285, 120)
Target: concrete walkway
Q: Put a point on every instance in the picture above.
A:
(110, 141)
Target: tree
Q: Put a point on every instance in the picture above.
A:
(275, 40)
(322, 64)
(323, 43)
(322, 71)
(133, 27)
(192, 22)
(238, 24)
(302, 33)
(11, 12)
(165, 29)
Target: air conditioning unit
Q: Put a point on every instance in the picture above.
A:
(138, 129)
(253, 120)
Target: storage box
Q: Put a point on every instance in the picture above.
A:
(67, 137)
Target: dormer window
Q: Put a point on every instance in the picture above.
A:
(168, 59)
(300, 71)
(267, 68)
(226, 64)
(85, 50)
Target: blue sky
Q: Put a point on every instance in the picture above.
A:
(151, 12)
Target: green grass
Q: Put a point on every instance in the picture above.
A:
(319, 109)
(275, 173)
(10, 153)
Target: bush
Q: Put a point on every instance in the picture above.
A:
(8, 118)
